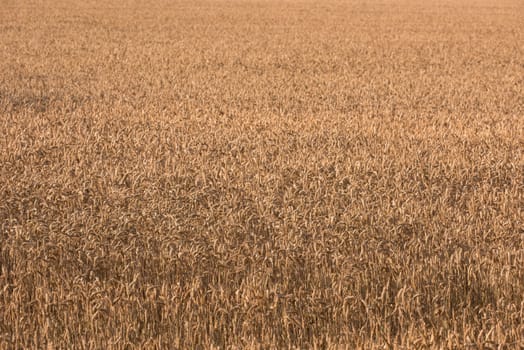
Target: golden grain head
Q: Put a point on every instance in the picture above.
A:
(261, 174)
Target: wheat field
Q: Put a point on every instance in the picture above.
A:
(264, 174)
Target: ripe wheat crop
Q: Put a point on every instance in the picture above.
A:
(261, 174)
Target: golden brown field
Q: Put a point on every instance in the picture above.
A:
(261, 174)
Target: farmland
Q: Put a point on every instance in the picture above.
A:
(261, 174)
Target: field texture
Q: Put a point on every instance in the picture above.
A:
(261, 174)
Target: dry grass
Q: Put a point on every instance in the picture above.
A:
(261, 174)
